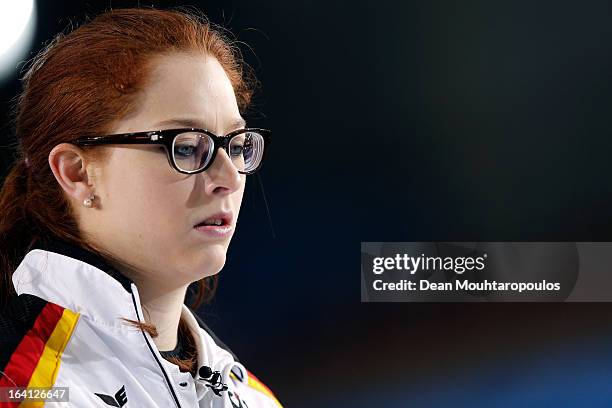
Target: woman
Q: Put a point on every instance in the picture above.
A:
(133, 161)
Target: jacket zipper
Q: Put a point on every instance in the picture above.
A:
(161, 367)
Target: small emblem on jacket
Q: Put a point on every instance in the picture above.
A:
(119, 400)
(213, 379)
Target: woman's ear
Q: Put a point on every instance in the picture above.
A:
(69, 166)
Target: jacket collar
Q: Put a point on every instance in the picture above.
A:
(79, 253)
(84, 282)
(77, 279)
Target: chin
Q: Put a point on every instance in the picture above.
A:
(201, 262)
(211, 260)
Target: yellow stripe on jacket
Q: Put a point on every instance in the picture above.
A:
(48, 366)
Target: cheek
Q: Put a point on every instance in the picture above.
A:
(238, 195)
(242, 186)
(143, 203)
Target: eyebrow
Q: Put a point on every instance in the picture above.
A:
(196, 123)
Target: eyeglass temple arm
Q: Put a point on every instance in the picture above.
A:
(126, 138)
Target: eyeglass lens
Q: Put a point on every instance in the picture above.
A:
(192, 150)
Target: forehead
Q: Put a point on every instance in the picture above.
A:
(188, 85)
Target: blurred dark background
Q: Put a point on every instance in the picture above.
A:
(409, 121)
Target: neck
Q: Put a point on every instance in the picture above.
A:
(161, 304)
(163, 309)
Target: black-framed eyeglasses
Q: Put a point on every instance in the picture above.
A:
(192, 150)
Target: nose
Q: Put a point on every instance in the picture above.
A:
(222, 176)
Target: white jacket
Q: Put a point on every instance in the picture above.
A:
(69, 334)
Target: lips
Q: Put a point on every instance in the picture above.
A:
(225, 217)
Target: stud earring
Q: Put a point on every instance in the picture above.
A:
(88, 202)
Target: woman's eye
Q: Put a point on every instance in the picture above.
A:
(237, 150)
(184, 150)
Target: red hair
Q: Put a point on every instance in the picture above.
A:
(81, 83)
